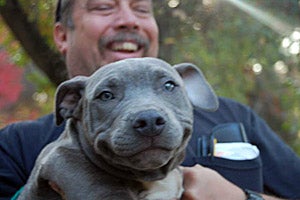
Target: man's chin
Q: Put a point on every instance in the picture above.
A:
(113, 56)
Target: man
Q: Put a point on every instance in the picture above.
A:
(90, 33)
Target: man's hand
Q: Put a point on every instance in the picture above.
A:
(201, 183)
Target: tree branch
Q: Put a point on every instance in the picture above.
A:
(49, 61)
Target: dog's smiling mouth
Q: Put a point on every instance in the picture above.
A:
(151, 158)
(152, 150)
(148, 158)
(143, 147)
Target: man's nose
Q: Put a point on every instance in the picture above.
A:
(127, 19)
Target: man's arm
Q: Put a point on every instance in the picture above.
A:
(201, 183)
(20, 144)
(12, 171)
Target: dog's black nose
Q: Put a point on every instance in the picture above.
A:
(149, 123)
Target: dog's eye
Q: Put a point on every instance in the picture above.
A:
(169, 86)
(106, 96)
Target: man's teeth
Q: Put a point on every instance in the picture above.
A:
(125, 46)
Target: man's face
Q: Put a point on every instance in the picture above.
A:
(109, 30)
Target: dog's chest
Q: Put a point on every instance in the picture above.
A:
(169, 188)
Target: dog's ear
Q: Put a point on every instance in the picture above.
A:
(67, 98)
(198, 89)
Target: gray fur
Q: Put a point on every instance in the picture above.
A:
(126, 132)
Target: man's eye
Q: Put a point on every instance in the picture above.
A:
(106, 96)
(101, 7)
(143, 10)
(169, 86)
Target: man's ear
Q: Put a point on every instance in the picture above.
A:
(60, 37)
(67, 98)
(198, 89)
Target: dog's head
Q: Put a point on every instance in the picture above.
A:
(136, 114)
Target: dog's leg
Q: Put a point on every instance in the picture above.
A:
(39, 190)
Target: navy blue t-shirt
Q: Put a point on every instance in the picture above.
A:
(276, 170)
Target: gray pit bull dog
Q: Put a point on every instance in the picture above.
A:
(127, 128)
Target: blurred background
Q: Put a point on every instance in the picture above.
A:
(249, 51)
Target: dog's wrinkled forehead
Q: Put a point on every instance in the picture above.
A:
(139, 65)
(132, 70)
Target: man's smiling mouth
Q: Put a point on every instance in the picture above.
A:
(124, 46)
(124, 42)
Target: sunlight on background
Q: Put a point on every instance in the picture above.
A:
(257, 68)
(280, 67)
(290, 45)
(173, 3)
(262, 16)
(40, 97)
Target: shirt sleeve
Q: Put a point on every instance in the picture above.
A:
(20, 144)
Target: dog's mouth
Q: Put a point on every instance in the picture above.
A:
(150, 158)
(145, 146)
(144, 159)
(140, 152)
(152, 151)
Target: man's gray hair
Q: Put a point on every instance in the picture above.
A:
(63, 12)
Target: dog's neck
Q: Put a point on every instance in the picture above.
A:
(115, 170)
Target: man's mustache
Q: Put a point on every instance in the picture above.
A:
(124, 37)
